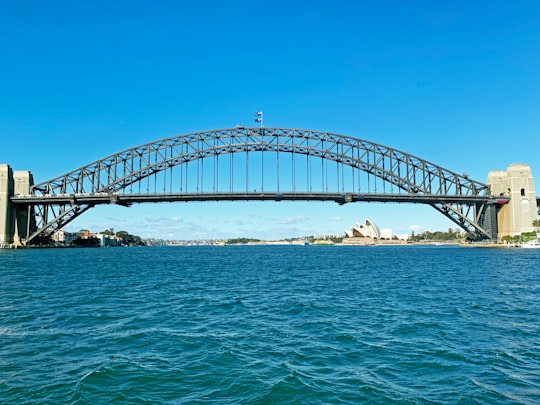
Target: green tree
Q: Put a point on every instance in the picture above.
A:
(237, 241)
(130, 240)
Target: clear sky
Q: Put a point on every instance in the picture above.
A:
(454, 82)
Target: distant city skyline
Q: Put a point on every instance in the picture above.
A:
(455, 84)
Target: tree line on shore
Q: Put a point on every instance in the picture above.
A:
(438, 236)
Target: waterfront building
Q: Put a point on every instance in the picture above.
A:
(108, 240)
(62, 237)
(366, 230)
(369, 233)
(104, 239)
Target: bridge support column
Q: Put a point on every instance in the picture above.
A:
(23, 216)
(15, 220)
(517, 183)
(6, 191)
(488, 221)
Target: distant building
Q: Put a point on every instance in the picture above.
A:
(104, 239)
(63, 238)
(108, 240)
(366, 230)
(369, 233)
(387, 234)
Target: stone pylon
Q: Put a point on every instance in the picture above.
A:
(15, 220)
(516, 183)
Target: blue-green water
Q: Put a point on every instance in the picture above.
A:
(264, 325)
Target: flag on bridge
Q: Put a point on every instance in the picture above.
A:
(259, 118)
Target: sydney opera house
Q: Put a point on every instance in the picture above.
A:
(369, 233)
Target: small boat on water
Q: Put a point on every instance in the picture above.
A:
(533, 244)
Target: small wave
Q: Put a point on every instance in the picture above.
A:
(290, 389)
(501, 393)
(12, 331)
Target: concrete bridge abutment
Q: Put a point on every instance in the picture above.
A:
(516, 183)
(15, 220)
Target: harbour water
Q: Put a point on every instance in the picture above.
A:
(270, 324)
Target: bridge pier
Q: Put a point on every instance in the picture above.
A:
(488, 220)
(6, 191)
(15, 220)
(516, 183)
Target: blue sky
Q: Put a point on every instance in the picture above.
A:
(456, 83)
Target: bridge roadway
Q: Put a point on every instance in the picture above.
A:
(340, 198)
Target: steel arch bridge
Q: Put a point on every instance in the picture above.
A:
(259, 164)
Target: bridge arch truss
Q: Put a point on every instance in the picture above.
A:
(258, 164)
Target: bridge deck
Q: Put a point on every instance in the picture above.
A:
(341, 198)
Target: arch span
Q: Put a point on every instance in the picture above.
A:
(258, 163)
